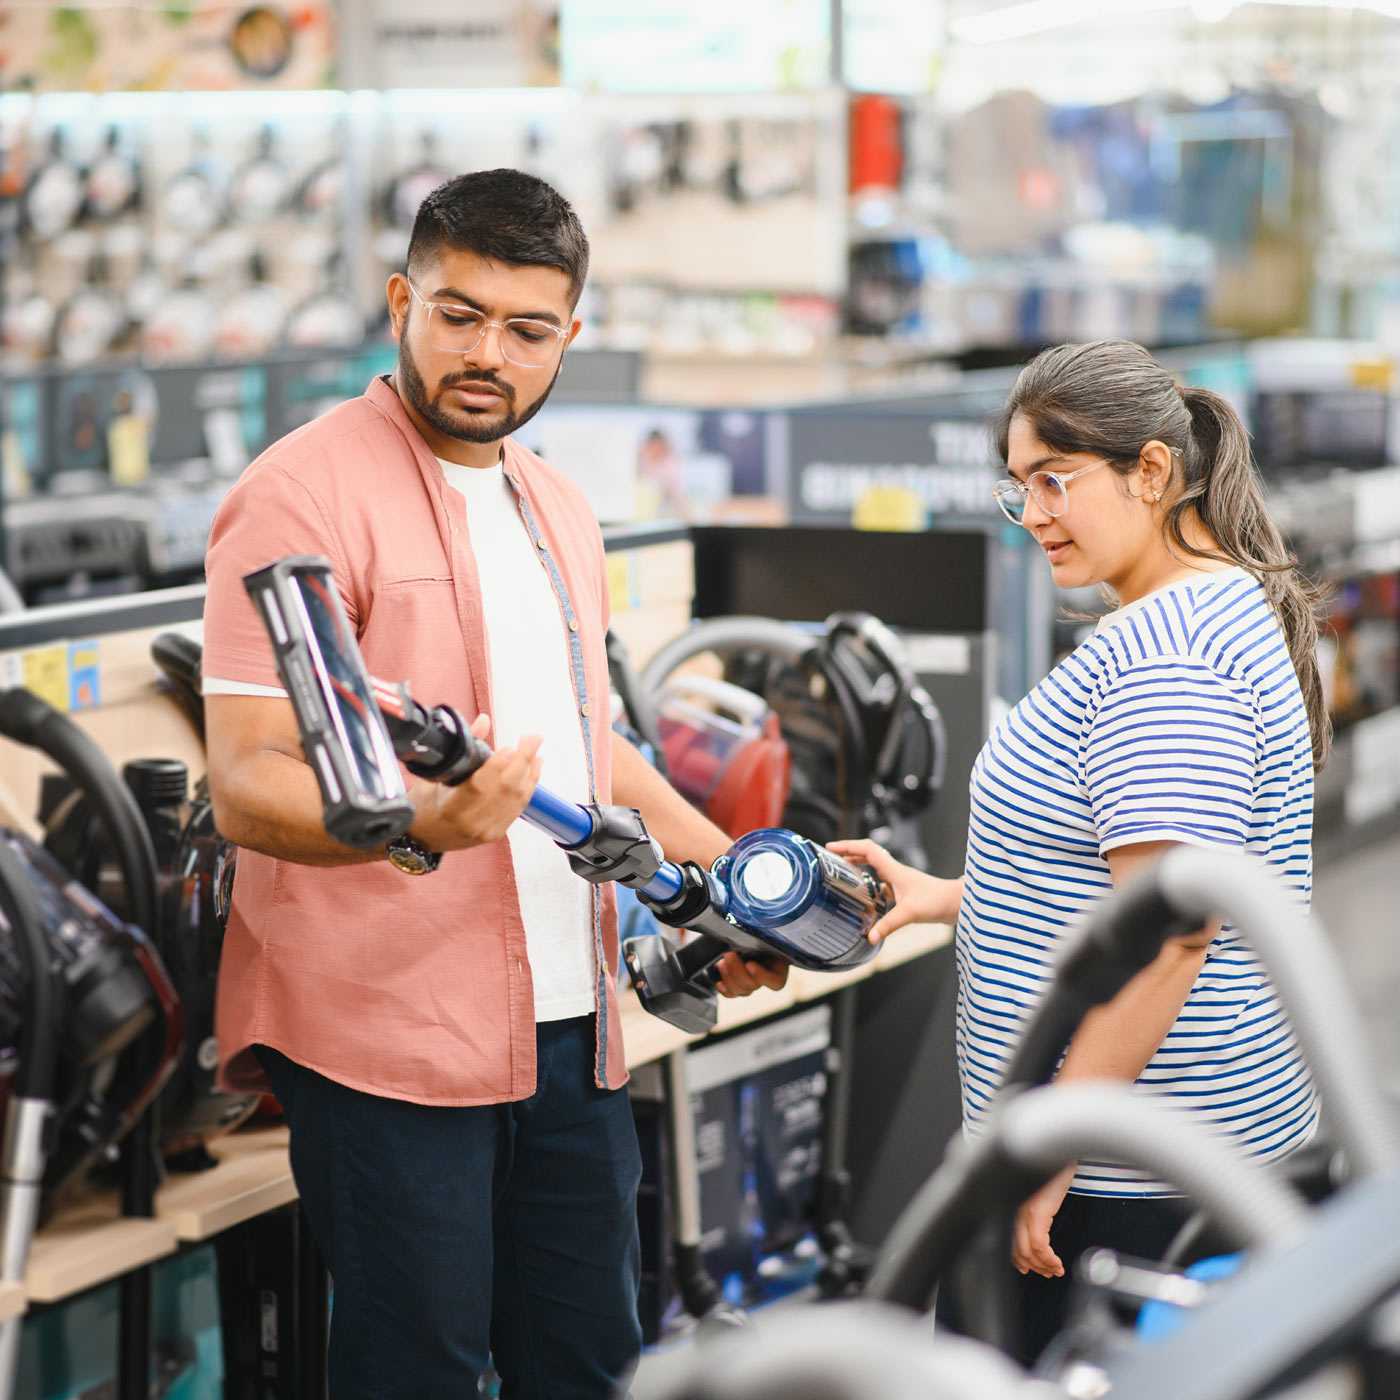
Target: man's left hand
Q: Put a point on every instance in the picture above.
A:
(739, 977)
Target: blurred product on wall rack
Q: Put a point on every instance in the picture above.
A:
(328, 317)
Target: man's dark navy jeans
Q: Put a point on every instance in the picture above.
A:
(455, 1235)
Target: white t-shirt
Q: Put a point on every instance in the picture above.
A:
(533, 693)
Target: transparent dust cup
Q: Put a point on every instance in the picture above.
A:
(724, 752)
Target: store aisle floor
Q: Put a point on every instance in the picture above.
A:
(1358, 900)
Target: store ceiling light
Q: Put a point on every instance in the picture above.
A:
(1031, 17)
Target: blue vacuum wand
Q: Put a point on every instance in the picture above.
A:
(772, 893)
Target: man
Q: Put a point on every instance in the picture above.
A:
(438, 1018)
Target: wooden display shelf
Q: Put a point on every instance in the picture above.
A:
(91, 1243)
(648, 1038)
(254, 1176)
(903, 947)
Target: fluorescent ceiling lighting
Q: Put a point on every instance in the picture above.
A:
(1030, 17)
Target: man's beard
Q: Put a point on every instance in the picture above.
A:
(465, 425)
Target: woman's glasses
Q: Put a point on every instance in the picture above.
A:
(1050, 489)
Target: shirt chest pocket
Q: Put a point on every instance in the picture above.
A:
(413, 633)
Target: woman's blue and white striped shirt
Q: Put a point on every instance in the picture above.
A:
(1179, 719)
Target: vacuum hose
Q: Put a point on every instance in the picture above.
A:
(28, 720)
(1187, 887)
(180, 659)
(1038, 1133)
(844, 1351)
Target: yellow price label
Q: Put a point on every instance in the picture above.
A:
(13, 466)
(1373, 374)
(46, 674)
(620, 590)
(889, 508)
(129, 449)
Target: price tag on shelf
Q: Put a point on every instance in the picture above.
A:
(13, 468)
(621, 593)
(889, 508)
(1373, 374)
(129, 449)
(84, 675)
(46, 674)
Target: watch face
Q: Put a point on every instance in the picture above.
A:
(406, 855)
(408, 861)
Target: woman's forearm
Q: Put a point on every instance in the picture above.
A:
(1116, 1040)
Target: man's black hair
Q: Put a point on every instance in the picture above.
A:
(504, 216)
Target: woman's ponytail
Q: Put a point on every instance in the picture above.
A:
(1108, 399)
(1223, 485)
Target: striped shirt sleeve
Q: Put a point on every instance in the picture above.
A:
(1169, 754)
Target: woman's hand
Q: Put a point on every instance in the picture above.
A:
(1030, 1241)
(919, 898)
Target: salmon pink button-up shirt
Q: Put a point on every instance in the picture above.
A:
(410, 987)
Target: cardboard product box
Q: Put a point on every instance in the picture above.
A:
(758, 1100)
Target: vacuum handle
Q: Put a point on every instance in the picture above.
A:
(436, 743)
(1123, 934)
(698, 954)
(887, 647)
(750, 708)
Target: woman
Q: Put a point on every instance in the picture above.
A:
(1193, 714)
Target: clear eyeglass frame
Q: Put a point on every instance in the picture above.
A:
(1050, 489)
(456, 329)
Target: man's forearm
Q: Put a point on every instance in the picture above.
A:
(272, 805)
(683, 832)
(1116, 1041)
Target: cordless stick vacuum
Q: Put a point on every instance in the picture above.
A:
(772, 893)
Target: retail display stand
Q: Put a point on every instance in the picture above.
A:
(246, 1204)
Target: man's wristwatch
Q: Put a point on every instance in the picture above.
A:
(410, 855)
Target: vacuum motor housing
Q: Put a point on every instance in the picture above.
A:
(113, 987)
(109, 999)
(809, 905)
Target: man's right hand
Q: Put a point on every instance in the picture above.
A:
(481, 809)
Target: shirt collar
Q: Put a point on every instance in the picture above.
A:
(382, 394)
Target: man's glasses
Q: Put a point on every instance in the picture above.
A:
(455, 329)
(1050, 489)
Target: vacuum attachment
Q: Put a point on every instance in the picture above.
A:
(366, 802)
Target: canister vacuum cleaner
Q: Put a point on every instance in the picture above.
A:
(773, 892)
